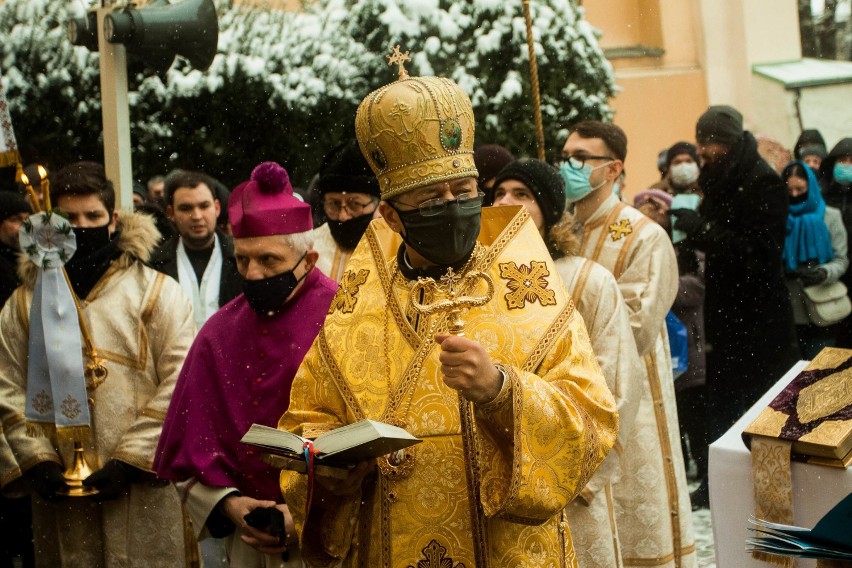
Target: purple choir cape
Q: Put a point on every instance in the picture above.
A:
(239, 371)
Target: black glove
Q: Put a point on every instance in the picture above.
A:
(48, 481)
(686, 220)
(812, 276)
(112, 480)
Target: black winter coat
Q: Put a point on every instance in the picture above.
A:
(164, 260)
(839, 196)
(747, 313)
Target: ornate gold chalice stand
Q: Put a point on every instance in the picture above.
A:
(77, 472)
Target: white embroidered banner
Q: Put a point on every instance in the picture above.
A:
(8, 146)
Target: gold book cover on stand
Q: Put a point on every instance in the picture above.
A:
(814, 411)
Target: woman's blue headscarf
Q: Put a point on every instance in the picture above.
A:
(807, 236)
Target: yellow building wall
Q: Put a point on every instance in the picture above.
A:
(661, 94)
(655, 111)
(686, 55)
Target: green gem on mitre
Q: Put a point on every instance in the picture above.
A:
(451, 134)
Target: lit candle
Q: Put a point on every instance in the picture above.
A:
(45, 187)
(33, 197)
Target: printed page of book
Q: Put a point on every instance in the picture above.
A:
(361, 432)
(274, 440)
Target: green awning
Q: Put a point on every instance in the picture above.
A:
(806, 72)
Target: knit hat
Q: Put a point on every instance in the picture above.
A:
(12, 203)
(657, 194)
(720, 124)
(489, 160)
(811, 150)
(265, 205)
(677, 149)
(810, 143)
(544, 181)
(345, 169)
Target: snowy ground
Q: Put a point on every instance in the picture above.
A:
(705, 552)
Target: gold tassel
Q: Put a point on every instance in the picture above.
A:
(39, 429)
(9, 158)
(71, 434)
(773, 559)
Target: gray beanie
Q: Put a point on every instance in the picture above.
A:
(720, 124)
(542, 179)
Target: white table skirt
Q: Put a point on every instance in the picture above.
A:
(816, 489)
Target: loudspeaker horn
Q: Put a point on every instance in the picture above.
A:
(161, 30)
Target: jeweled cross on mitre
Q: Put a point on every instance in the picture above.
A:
(399, 58)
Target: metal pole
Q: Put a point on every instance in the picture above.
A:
(539, 127)
(116, 115)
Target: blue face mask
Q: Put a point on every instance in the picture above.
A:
(577, 185)
(843, 173)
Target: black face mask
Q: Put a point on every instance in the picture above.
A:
(444, 239)
(801, 198)
(90, 240)
(347, 233)
(266, 296)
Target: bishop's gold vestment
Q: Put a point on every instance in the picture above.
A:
(493, 493)
(653, 510)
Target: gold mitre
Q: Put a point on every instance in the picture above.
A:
(416, 131)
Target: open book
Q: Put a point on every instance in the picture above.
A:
(830, 539)
(340, 447)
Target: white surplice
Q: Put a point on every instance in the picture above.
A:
(653, 510)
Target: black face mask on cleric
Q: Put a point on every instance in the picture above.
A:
(446, 237)
(90, 240)
(267, 295)
(347, 233)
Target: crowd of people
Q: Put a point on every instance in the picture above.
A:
(616, 342)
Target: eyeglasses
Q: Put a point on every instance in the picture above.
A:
(578, 162)
(356, 208)
(432, 207)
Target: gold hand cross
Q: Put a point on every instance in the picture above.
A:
(451, 284)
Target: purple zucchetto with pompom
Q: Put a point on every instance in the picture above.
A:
(265, 205)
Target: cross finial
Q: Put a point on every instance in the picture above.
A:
(399, 58)
(450, 279)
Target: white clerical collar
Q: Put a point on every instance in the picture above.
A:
(204, 295)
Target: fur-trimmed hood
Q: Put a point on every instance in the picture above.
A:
(137, 239)
(563, 236)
